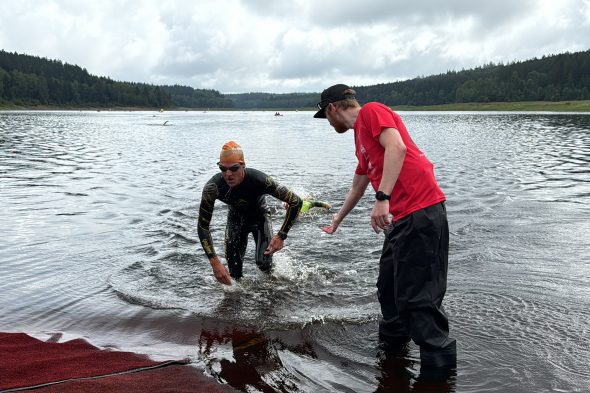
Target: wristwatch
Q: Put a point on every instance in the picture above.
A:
(282, 235)
(381, 196)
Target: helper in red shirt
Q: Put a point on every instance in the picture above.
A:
(413, 265)
(416, 187)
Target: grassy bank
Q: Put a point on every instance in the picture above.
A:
(532, 106)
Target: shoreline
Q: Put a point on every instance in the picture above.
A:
(31, 364)
(521, 106)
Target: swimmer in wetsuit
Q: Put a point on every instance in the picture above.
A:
(243, 190)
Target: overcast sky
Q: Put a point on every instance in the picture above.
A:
(282, 46)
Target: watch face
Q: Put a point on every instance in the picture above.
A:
(381, 196)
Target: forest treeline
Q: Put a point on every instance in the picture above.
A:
(29, 80)
(559, 77)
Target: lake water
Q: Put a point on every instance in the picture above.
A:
(98, 239)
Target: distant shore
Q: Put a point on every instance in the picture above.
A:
(524, 106)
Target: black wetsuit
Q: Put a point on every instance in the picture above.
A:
(247, 213)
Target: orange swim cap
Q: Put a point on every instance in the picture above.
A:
(231, 152)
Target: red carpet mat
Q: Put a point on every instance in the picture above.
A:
(77, 366)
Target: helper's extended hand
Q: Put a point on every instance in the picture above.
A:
(276, 243)
(332, 228)
(220, 271)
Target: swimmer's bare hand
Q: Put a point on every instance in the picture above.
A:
(220, 271)
(276, 243)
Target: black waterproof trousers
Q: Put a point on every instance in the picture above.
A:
(236, 239)
(412, 283)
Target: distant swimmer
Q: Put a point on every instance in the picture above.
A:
(244, 190)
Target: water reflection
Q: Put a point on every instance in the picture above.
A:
(271, 361)
(247, 359)
(396, 375)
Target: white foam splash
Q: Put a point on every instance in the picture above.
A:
(287, 267)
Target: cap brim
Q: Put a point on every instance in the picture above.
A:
(321, 114)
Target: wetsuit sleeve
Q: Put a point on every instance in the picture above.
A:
(210, 193)
(286, 195)
(320, 204)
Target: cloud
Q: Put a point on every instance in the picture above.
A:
(263, 45)
(94, 35)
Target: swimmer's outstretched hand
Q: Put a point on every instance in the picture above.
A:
(220, 271)
(276, 243)
(330, 229)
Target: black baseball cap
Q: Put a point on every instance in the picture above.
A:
(330, 95)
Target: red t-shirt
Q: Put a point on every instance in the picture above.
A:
(415, 188)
